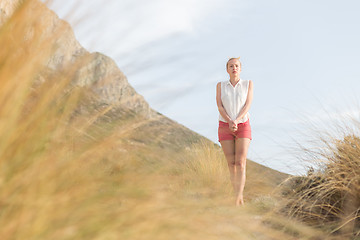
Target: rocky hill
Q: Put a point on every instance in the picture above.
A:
(95, 70)
(110, 87)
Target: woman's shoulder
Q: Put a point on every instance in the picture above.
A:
(219, 84)
(246, 81)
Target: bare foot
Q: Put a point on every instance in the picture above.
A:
(239, 201)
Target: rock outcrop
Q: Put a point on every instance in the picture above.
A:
(94, 70)
(7, 8)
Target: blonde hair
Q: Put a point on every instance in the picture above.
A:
(237, 58)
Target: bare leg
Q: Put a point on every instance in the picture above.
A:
(228, 147)
(241, 149)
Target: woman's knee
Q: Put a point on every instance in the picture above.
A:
(231, 163)
(241, 163)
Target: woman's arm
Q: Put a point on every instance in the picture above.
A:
(247, 105)
(220, 105)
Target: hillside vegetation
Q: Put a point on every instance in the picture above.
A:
(329, 197)
(75, 168)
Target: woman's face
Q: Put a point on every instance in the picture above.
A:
(233, 67)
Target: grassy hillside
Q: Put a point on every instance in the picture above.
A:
(71, 169)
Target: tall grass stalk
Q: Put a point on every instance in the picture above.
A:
(50, 183)
(329, 196)
(206, 165)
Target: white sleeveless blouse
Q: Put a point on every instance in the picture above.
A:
(234, 98)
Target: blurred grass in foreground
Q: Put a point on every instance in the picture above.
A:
(48, 180)
(101, 175)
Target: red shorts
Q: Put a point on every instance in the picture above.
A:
(243, 131)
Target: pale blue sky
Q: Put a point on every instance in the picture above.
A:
(303, 57)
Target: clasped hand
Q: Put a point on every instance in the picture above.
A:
(233, 126)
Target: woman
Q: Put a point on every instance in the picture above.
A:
(233, 98)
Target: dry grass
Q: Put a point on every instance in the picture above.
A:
(205, 166)
(52, 180)
(65, 175)
(329, 197)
